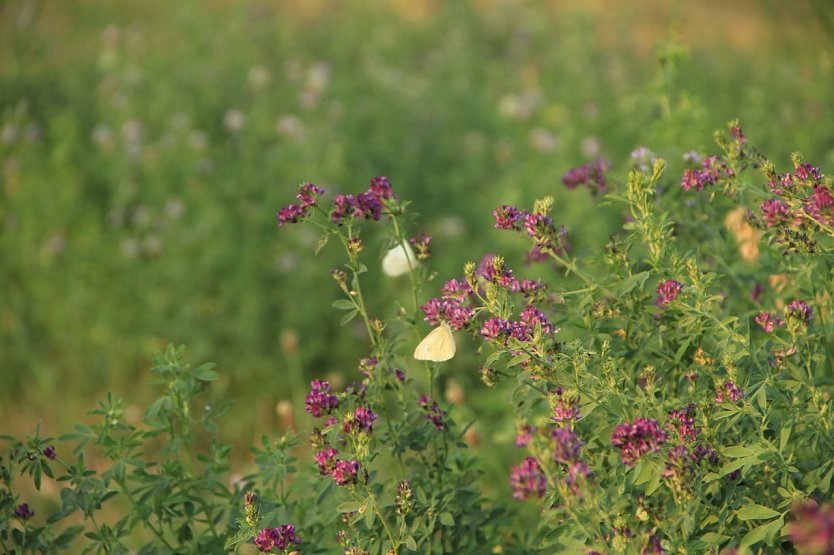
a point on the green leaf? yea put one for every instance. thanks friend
(446, 519)
(348, 317)
(754, 511)
(784, 436)
(629, 283)
(739, 451)
(523, 357)
(765, 533)
(350, 506)
(343, 304)
(410, 544)
(205, 373)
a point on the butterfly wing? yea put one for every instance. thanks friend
(399, 261)
(437, 346)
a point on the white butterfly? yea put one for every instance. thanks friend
(396, 261)
(437, 346)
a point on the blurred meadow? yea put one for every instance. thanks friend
(146, 146)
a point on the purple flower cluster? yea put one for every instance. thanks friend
(450, 311)
(565, 409)
(367, 205)
(422, 246)
(774, 212)
(539, 227)
(345, 472)
(799, 311)
(320, 400)
(527, 480)
(711, 171)
(489, 270)
(525, 435)
(23, 512)
(591, 175)
(326, 460)
(728, 390)
(682, 423)
(642, 158)
(768, 322)
(49, 452)
(812, 530)
(532, 318)
(456, 290)
(636, 439)
(307, 196)
(434, 413)
(567, 446)
(668, 291)
(361, 419)
(281, 538)
(679, 470)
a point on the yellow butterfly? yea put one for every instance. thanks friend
(437, 346)
(399, 261)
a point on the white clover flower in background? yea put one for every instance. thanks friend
(399, 261)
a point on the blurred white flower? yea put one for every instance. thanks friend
(234, 120)
(102, 137)
(590, 147)
(9, 134)
(542, 140)
(290, 125)
(257, 78)
(399, 261)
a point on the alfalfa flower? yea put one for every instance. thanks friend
(527, 480)
(728, 391)
(345, 472)
(636, 439)
(320, 400)
(668, 291)
(422, 245)
(812, 530)
(281, 537)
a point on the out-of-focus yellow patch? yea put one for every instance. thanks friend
(746, 235)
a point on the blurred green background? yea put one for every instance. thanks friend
(145, 148)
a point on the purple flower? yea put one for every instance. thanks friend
(527, 480)
(320, 399)
(591, 175)
(399, 374)
(422, 245)
(705, 452)
(291, 214)
(380, 187)
(495, 329)
(711, 170)
(729, 390)
(343, 208)
(531, 317)
(326, 460)
(668, 291)
(567, 445)
(774, 212)
(434, 413)
(642, 158)
(281, 538)
(507, 217)
(565, 409)
(768, 321)
(23, 512)
(578, 472)
(756, 294)
(456, 290)
(812, 530)
(361, 419)
(681, 422)
(636, 439)
(799, 311)
(678, 469)
(49, 452)
(345, 472)
(525, 435)
(448, 310)
(368, 206)
(308, 194)
(807, 172)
